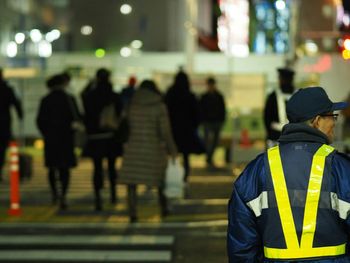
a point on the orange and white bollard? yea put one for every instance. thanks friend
(15, 209)
(245, 140)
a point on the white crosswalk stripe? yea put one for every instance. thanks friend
(86, 248)
(84, 256)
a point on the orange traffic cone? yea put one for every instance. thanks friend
(15, 209)
(244, 140)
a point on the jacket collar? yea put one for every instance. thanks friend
(300, 132)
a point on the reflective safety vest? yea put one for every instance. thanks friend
(305, 249)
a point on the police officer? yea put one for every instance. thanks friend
(275, 108)
(292, 203)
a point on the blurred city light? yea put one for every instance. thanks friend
(45, 49)
(233, 27)
(39, 144)
(19, 38)
(86, 30)
(11, 49)
(280, 5)
(311, 48)
(346, 54)
(53, 35)
(346, 20)
(137, 44)
(125, 52)
(125, 9)
(347, 44)
(344, 46)
(35, 35)
(100, 53)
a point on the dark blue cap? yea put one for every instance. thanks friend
(310, 102)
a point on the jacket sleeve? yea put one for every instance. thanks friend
(18, 105)
(243, 238)
(42, 118)
(223, 108)
(340, 170)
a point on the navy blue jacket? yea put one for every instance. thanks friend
(252, 227)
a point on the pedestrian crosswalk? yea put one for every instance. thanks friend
(86, 248)
(43, 233)
(200, 191)
(83, 256)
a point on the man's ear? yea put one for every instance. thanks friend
(316, 122)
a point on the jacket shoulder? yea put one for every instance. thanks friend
(342, 157)
(340, 170)
(251, 181)
(341, 160)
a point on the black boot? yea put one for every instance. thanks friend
(53, 185)
(98, 201)
(63, 203)
(132, 202)
(163, 202)
(113, 193)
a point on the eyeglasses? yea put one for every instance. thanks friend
(335, 116)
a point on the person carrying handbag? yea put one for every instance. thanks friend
(102, 107)
(149, 145)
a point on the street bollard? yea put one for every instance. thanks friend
(15, 209)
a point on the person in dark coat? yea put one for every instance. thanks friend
(55, 121)
(275, 116)
(150, 142)
(101, 140)
(128, 91)
(8, 100)
(213, 113)
(183, 110)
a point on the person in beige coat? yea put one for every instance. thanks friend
(149, 145)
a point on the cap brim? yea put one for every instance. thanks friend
(339, 106)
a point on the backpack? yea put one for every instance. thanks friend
(109, 119)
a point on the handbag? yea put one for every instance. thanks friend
(79, 136)
(78, 127)
(174, 179)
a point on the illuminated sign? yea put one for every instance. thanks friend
(233, 27)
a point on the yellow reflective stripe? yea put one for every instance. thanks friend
(313, 196)
(310, 215)
(282, 198)
(288, 253)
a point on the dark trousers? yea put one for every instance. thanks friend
(132, 201)
(98, 178)
(211, 138)
(63, 176)
(3, 146)
(186, 163)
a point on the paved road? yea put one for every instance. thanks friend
(194, 232)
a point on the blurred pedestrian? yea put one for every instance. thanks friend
(213, 113)
(346, 124)
(292, 203)
(55, 121)
(91, 85)
(275, 116)
(183, 109)
(102, 143)
(150, 142)
(128, 91)
(7, 100)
